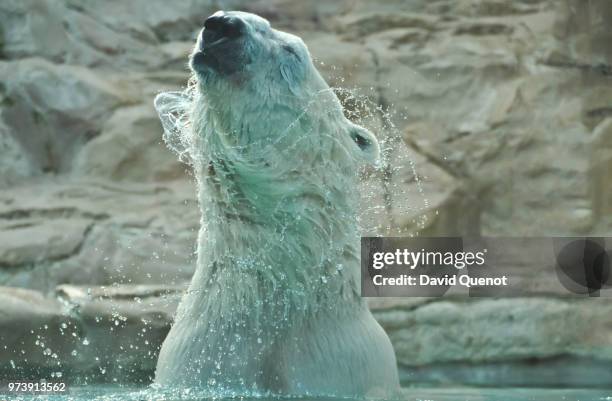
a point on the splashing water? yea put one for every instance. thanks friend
(385, 189)
(386, 192)
(279, 215)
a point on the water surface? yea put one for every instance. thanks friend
(117, 393)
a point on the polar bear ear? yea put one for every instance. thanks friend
(365, 141)
(172, 108)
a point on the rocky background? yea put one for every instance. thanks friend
(503, 110)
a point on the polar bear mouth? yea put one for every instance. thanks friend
(219, 45)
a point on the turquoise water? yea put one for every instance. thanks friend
(116, 393)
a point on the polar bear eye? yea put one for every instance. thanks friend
(365, 141)
(291, 50)
(361, 140)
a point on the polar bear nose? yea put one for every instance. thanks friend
(221, 25)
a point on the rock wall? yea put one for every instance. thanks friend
(496, 118)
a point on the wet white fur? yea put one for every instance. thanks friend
(274, 305)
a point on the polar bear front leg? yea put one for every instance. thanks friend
(346, 355)
(225, 357)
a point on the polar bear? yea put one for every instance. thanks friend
(274, 306)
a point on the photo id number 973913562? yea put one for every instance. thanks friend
(36, 387)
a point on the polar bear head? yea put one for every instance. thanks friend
(259, 81)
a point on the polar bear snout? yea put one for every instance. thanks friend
(219, 46)
(221, 26)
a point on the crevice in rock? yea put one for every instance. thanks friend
(601, 113)
(468, 302)
(406, 308)
(119, 188)
(600, 68)
(74, 294)
(62, 212)
(436, 161)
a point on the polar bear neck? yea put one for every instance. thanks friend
(278, 212)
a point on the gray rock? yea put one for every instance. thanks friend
(444, 331)
(494, 109)
(29, 242)
(116, 34)
(600, 167)
(572, 372)
(51, 111)
(74, 232)
(119, 152)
